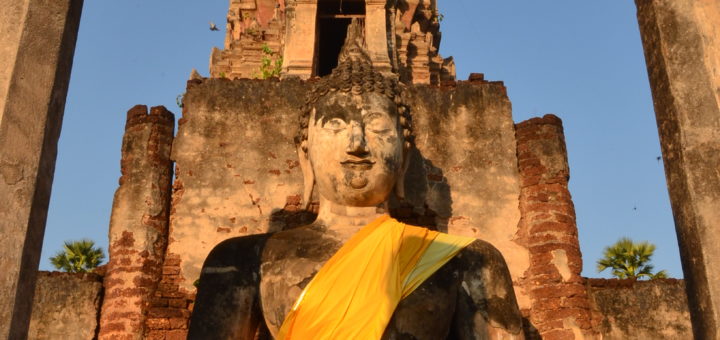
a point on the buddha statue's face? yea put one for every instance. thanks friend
(355, 148)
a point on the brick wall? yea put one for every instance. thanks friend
(630, 309)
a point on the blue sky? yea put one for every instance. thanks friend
(581, 60)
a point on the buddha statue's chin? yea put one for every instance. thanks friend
(357, 188)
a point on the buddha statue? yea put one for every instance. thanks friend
(355, 272)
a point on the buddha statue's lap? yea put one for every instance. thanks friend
(353, 144)
(261, 277)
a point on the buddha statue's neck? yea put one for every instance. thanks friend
(344, 221)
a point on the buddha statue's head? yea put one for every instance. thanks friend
(355, 132)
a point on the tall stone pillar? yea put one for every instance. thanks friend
(299, 55)
(681, 39)
(560, 305)
(36, 52)
(139, 223)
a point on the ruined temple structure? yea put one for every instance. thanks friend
(403, 37)
(473, 172)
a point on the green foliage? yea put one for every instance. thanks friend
(268, 67)
(179, 100)
(78, 256)
(630, 260)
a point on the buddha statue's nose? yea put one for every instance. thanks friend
(357, 146)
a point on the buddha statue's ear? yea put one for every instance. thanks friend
(308, 174)
(400, 184)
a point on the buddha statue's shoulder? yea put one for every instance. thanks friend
(485, 276)
(309, 241)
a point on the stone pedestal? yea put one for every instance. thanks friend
(38, 43)
(681, 39)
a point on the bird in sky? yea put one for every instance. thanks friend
(213, 27)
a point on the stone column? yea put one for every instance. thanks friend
(299, 55)
(681, 39)
(376, 32)
(139, 223)
(36, 53)
(560, 305)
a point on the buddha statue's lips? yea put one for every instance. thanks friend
(358, 164)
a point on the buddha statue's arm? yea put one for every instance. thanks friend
(228, 304)
(487, 308)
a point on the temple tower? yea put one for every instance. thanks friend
(403, 36)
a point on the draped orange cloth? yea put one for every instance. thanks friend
(355, 293)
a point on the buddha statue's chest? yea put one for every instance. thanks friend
(425, 314)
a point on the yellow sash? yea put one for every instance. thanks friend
(355, 293)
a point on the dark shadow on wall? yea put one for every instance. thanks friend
(428, 199)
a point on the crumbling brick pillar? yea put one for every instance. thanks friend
(37, 44)
(139, 223)
(560, 305)
(681, 39)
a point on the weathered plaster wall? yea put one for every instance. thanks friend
(465, 174)
(237, 171)
(66, 306)
(629, 310)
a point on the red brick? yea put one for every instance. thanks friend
(565, 218)
(178, 323)
(537, 259)
(552, 227)
(157, 323)
(173, 294)
(571, 250)
(579, 301)
(158, 302)
(540, 217)
(549, 325)
(155, 335)
(547, 278)
(546, 304)
(558, 334)
(167, 287)
(171, 270)
(172, 260)
(177, 303)
(557, 291)
(168, 313)
(176, 335)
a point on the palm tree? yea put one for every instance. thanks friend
(630, 260)
(78, 256)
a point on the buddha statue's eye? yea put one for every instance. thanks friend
(379, 124)
(335, 124)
